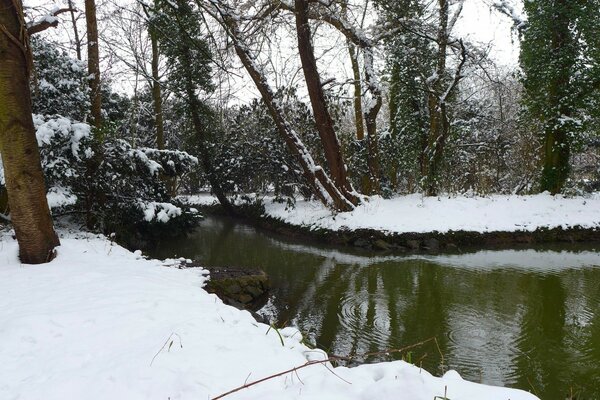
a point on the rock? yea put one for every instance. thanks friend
(413, 244)
(255, 291)
(381, 244)
(233, 288)
(361, 242)
(245, 298)
(239, 287)
(432, 244)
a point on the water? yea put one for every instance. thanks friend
(528, 319)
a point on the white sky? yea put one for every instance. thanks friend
(478, 24)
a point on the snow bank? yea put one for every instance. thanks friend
(415, 213)
(100, 322)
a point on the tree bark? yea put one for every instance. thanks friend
(557, 147)
(23, 174)
(93, 64)
(157, 92)
(433, 145)
(325, 126)
(357, 97)
(371, 113)
(4, 209)
(75, 30)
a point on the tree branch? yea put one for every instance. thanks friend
(47, 21)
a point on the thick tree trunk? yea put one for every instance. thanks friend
(18, 145)
(556, 160)
(325, 126)
(93, 63)
(557, 147)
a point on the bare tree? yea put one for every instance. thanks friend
(329, 140)
(93, 62)
(322, 186)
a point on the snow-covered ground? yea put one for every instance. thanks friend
(415, 213)
(100, 322)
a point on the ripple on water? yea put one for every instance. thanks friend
(484, 345)
(365, 320)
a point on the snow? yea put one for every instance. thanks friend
(59, 197)
(419, 214)
(161, 212)
(100, 322)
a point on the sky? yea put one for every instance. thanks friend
(478, 24)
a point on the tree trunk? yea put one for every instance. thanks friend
(193, 106)
(557, 147)
(4, 209)
(75, 30)
(371, 113)
(18, 145)
(325, 126)
(320, 183)
(157, 92)
(93, 64)
(433, 147)
(357, 97)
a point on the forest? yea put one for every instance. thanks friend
(389, 125)
(135, 103)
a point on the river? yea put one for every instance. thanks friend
(524, 318)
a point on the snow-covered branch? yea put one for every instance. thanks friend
(47, 21)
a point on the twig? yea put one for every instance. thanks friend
(163, 346)
(325, 361)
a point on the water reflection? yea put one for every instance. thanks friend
(521, 318)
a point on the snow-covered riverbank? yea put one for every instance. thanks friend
(418, 214)
(100, 322)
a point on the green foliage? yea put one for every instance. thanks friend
(249, 141)
(125, 195)
(560, 58)
(183, 43)
(60, 86)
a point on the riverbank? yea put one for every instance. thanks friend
(417, 223)
(100, 322)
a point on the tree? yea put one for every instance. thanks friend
(60, 87)
(325, 127)
(29, 210)
(409, 60)
(560, 57)
(188, 60)
(316, 178)
(93, 63)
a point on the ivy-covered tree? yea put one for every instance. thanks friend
(560, 58)
(188, 59)
(409, 60)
